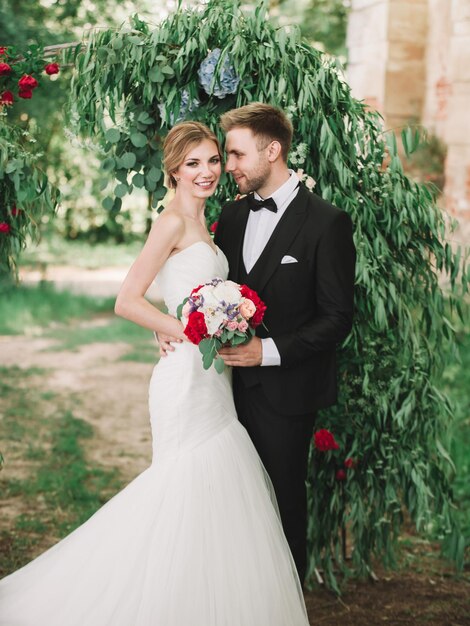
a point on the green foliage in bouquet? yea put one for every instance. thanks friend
(209, 348)
(131, 85)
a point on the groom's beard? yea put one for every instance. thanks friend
(256, 179)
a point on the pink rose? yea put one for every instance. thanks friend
(4, 227)
(232, 325)
(243, 326)
(247, 308)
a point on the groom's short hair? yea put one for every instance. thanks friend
(266, 122)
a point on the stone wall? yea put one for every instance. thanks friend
(457, 123)
(411, 61)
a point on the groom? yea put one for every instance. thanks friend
(297, 252)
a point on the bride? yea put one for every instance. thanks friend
(196, 539)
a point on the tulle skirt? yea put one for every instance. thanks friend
(195, 540)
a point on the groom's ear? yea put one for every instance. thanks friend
(274, 151)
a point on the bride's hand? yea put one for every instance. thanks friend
(165, 341)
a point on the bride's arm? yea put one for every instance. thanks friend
(164, 236)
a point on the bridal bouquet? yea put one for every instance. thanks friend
(219, 313)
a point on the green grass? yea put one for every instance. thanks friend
(55, 250)
(62, 488)
(24, 310)
(35, 309)
(115, 329)
(142, 347)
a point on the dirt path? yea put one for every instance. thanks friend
(104, 281)
(110, 394)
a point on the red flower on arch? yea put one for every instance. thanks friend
(324, 440)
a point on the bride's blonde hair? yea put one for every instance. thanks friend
(179, 142)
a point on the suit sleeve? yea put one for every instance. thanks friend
(334, 291)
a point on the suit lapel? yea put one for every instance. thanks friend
(283, 235)
(236, 239)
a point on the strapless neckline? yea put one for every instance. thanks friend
(215, 251)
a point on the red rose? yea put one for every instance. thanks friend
(350, 463)
(3, 50)
(213, 227)
(259, 304)
(324, 440)
(258, 315)
(5, 69)
(4, 227)
(15, 212)
(6, 98)
(27, 83)
(196, 289)
(249, 293)
(196, 328)
(341, 474)
(52, 68)
(27, 94)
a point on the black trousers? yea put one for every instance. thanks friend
(283, 442)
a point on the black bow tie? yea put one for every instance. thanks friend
(256, 205)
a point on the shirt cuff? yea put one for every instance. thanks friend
(271, 354)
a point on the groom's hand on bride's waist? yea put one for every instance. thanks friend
(247, 355)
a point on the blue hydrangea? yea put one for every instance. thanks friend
(225, 83)
(187, 106)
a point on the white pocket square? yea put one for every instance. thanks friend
(288, 259)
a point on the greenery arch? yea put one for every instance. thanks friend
(131, 85)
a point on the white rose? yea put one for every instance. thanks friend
(213, 320)
(227, 292)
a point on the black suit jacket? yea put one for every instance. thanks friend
(309, 303)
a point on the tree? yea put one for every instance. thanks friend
(132, 85)
(27, 28)
(321, 22)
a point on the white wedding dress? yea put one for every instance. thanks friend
(195, 540)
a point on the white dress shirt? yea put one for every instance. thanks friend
(259, 228)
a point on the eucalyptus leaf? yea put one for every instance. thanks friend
(108, 203)
(121, 190)
(139, 140)
(219, 365)
(138, 180)
(128, 160)
(112, 135)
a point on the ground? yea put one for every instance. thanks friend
(110, 394)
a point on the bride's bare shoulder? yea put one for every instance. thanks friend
(168, 224)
